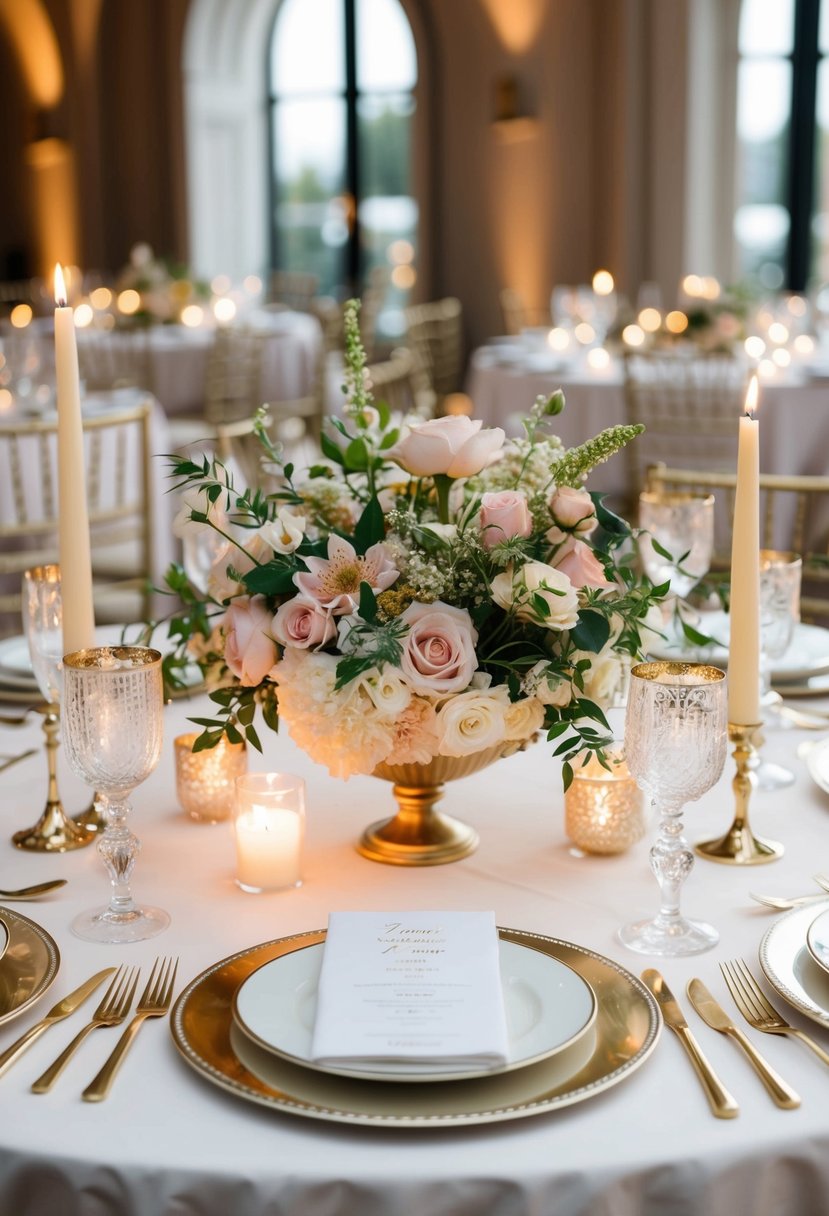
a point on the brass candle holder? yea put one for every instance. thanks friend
(739, 846)
(54, 832)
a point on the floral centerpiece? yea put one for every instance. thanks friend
(426, 590)
(165, 289)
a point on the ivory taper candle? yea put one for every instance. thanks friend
(73, 517)
(744, 647)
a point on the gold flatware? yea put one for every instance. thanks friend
(111, 1012)
(780, 904)
(10, 760)
(39, 888)
(822, 880)
(801, 720)
(154, 1003)
(60, 1011)
(16, 719)
(713, 1014)
(723, 1105)
(757, 1010)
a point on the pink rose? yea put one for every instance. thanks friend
(573, 511)
(503, 516)
(455, 446)
(250, 651)
(301, 622)
(439, 649)
(578, 561)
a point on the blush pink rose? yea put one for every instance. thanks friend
(250, 651)
(302, 623)
(504, 515)
(455, 446)
(573, 512)
(578, 561)
(439, 649)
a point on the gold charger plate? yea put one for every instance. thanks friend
(624, 1035)
(28, 966)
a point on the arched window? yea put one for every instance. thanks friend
(781, 224)
(342, 81)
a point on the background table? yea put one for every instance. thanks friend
(167, 1143)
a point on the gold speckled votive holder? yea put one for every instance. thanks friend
(604, 810)
(205, 780)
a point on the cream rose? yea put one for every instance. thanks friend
(471, 722)
(250, 651)
(301, 622)
(578, 561)
(604, 678)
(503, 515)
(573, 511)
(387, 690)
(522, 718)
(520, 589)
(455, 446)
(439, 649)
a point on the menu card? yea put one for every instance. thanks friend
(419, 990)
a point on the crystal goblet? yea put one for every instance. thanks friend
(54, 831)
(675, 742)
(112, 709)
(677, 540)
(780, 574)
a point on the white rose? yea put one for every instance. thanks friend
(603, 679)
(523, 718)
(471, 722)
(519, 589)
(284, 533)
(388, 691)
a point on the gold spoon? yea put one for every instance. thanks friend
(39, 888)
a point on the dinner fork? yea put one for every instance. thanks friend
(780, 904)
(757, 1010)
(154, 1003)
(111, 1012)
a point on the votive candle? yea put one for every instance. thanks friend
(205, 780)
(604, 809)
(269, 823)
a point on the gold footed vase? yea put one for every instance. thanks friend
(420, 835)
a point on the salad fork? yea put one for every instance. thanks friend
(758, 1010)
(154, 1003)
(111, 1012)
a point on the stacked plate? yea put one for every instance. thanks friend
(794, 955)
(578, 1023)
(29, 961)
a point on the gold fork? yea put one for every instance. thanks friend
(154, 1003)
(111, 1012)
(757, 1010)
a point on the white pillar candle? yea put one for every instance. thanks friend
(744, 648)
(73, 518)
(268, 826)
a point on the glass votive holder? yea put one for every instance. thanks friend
(604, 810)
(205, 780)
(269, 826)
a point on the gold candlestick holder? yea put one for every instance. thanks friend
(739, 846)
(54, 832)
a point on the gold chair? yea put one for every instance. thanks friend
(794, 515)
(294, 289)
(118, 482)
(399, 382)
(517, 316)
(435, 336)
(689, 406)
(109, 360)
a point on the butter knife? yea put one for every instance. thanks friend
(60, 1011)
(715, 1016)
(720, 1100)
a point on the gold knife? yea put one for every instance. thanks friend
(715, 1016)
(719, 1099)
(60, 1011)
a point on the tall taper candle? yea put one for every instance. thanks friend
(73, 517)
(744, 649)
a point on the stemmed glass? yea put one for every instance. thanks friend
(677, 540)
(780, 573)
(675, 742)
(113, 702)
(54, 832)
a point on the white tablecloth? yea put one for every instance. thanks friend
(794, 430)
(167, 1142)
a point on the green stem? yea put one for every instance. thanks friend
(443, 484)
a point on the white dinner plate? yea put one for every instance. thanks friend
(817, 939)
(789, 967)
(817, 763)
(548, 1008)
(808, 654)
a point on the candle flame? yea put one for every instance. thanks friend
(60, 287)
(752, 393)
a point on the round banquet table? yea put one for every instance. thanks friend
(167, 1142)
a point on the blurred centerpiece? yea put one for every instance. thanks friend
(423, 601)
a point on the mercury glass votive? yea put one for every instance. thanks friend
(604, 810)
(206, 780)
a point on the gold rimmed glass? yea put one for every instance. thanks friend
(113, 708)
(675, 743)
